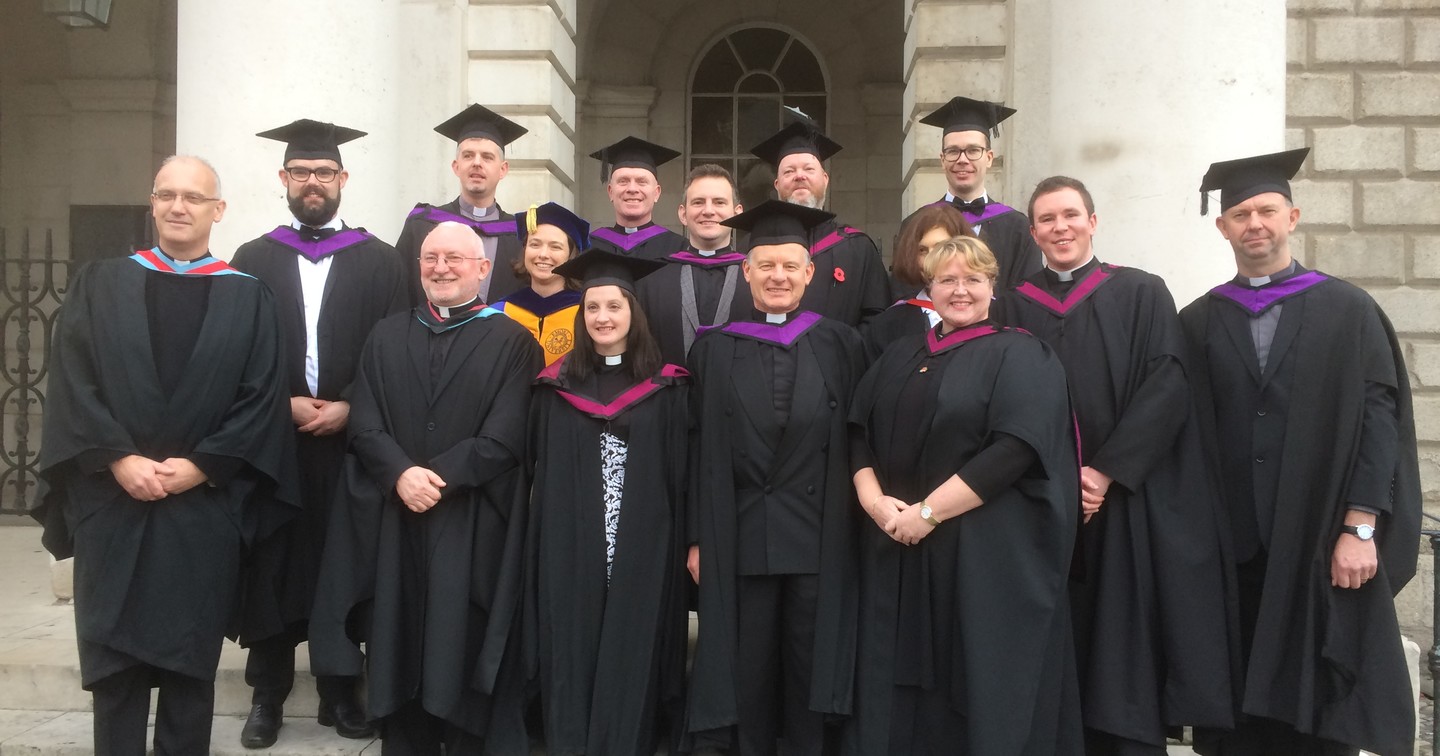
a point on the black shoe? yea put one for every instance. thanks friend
(347, 719)
(262, 727)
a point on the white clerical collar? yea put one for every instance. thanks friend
(706, 252)
(444, 312)
(777, 318)
(334, 223)
(474, 212)
(1262, 280)
(630, 229)
(983, 195)
(612, 360)
(1069, 275)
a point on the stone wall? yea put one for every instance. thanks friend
(1364, 95)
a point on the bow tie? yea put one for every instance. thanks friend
(974, 207)
(316, 234)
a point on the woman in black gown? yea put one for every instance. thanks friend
(965, 459)
(923, 231)
(606, 539)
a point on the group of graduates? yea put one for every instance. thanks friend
(1000, 499)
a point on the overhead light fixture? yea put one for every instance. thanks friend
(79, 14)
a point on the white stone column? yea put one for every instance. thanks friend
(1136, 100)
(611, 114)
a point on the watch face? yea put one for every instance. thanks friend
(925, 512)
(1365, 532)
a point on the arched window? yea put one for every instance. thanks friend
(736, 93)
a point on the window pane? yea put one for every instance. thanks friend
(711, 125)
(810, 106)
(759, 48)
(718, 72)
(756, 180)
(758, 82)
(800, 72)
(759, 118)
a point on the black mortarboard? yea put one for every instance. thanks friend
(965, 114)
(312, 140)
(802, 134)
(575, 227)
(600, 267)
(480, 122)
(777, 222)
(632, 152)
(1239, 180)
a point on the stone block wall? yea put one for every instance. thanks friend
(1364, 94)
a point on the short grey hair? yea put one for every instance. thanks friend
(193, 159)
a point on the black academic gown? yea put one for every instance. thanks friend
(733, 409)
(1327, 661)
(609, 655)
(503, 279)
(650, 241)
(660, 295)
(435, 594)
(365, 283)
(156, 582)
(904, 318)
(973, 620)
(1148, 588)
(851, 284)
(1006, 231)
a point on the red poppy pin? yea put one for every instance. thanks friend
(840, 275)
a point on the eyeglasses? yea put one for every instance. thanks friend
(189, 198)
(972, 153)
(951, 282)
(323, 175)
(431, 261)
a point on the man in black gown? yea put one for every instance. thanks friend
(774, 512)
(167, 451)
(701, 284)
(333, 283)
(630, 169)
(426, 555)
(852, 285)
(481, 136)
(966, 156)
(1147, 587)
(1304, 402)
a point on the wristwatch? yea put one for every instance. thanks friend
(1363, 532)
(927, 514)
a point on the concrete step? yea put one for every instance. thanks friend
(68, 733)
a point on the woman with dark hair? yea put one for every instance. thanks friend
(964, 457)
(922, 232)
(549, 236)
(606, 542)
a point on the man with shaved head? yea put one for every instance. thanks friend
(167, 450)
(424, 559)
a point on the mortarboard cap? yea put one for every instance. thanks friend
(600, 267)
(575, 227)
(965, 114)
(1239, 180)
(312, 140)
(632, 152)
(480, 122)
(802, 134)
(777, 222)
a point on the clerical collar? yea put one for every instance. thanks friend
(476, 213)
(178, 261)
(334, 224)
(776, 318)
(445, 312)
(634, 229)
(983, 195)
(1256, 283)
(612, 360)
(706, 252)
(1066, 276)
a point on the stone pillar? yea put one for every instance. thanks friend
(611, 114)
(1135, 104)
(394, 70)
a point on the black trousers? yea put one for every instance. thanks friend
(775, 653)
(270, 670)
(412, 731)
(182, 717)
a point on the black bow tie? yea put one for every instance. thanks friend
(974, 207)
(316, 234)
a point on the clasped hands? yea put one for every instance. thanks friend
(145, 479)
(899, 520)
